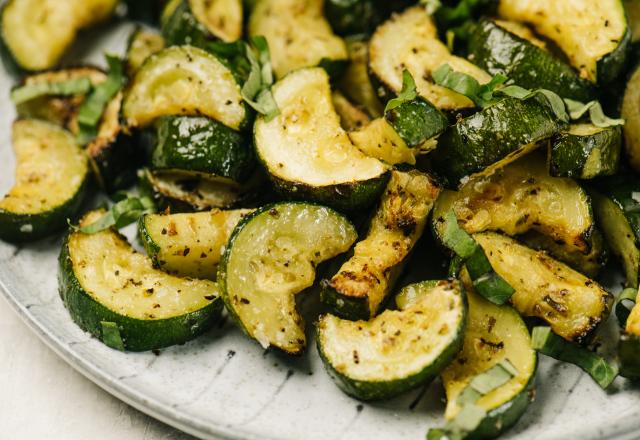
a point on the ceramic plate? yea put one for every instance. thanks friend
(224, 385)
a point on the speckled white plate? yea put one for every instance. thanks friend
(224, 385)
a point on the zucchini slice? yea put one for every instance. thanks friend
(199, 144)
(189, 244)
(618, 214)
(585, 152)
(410, 41)
(351, 117)
(399, 349)
(142, 44)
(379, 140)
(629, 345)
(271, 257)
(493, 334)
(184, 80)
(519, 198)
(355, 82)
(494, 137)
(571, 303)
(631, 113)
(110, 288)
(359, 289)
(298, 35)
(594, 36)
(307, 153)
(495, 47)
(195, 22)
(51, 181)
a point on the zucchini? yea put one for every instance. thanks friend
(122, 300)
(270, 258)
(494, 137)
(52, 177)
(379, 140)
(410, 41)
(194, 143)
(586, 151)
(298, 35)
(633, 17)
(145, 10)
(351, 117)
(493, 334)
(360, 287)
(312, 158)
(499, 50)
(399, 349)
(630, 112)
(142, 44)
(112, 154)
(195, 22)
(629, 345)
(184, 80)
(188, 245)
(37, 33)
(572, 304)
(595, 37)
(618, 214)
(355, 82)
(519, 198)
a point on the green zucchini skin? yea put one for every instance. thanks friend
(498, 51)
(203, 145)
(613, 65)
(628, 354)
(500, 132)
(145, 10)
(182, 27)
(586, 156)
(114, 165)
(136, 334)
(346, 306)
(417, 121)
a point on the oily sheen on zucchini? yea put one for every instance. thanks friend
(114, 293)
(307, 153)
(189, 244)
(493, 334)
(195, 22)
(399, 349)
(51, 180)
(270, 258)
(572, 304)
(360, 287)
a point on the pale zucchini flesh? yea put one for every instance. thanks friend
(630, 111)
(142, 44)
(355, 82)
(351, 116)
(222, 18)
(378, 139)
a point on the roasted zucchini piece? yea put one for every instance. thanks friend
(572, 304)
(631, 114)
(271, 257)
(495, 47)
(360, 287)
(519, 198)
(199, 144)
(379, 140)
(188, 244)
(351, 117)
(617, 211)
(307, 153)
(629, 345)
(114, 293)
(52, 177)
(585, 152)
(195, 22)
(36, 33)
(184, 80)
(356, 84)
(298, 35)
(493, 334)
(399, 349)
(142, 44)
(494, 137)
(410, 41)
(595, 37)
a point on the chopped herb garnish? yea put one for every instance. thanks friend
(481, 95)
(121, 214)
(408, 92)
(578, 109)
(77, 86)
(111, 335)
(256, 91)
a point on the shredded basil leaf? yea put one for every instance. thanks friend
(552, 345)
(578, 109)
(624, 304)
(256, 90)
(481, 95)
(408, 92)
(457, 239)
(77, 86)
(121, 214)
(111, 335)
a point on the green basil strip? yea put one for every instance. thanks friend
(408, 92)
(552, 345)
(111, 335)
(78, 86)
(256, 90)
(121, 214)
(624, 304)
(456, 238)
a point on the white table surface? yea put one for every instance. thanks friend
(43, 397)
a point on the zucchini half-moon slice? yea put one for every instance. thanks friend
(197, 21)
(271, 257)
(114, 293)
(307, 153)
(399, 349)
(52, 176)
(594, 36)
(184, 80)
(630, 111)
